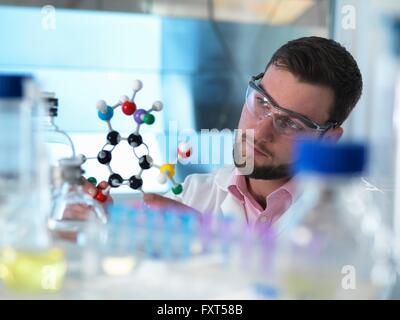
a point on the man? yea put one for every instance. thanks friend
(309, 87)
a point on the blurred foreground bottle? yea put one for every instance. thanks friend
(58, 143)
(395, 37)
(28, 262)
(73, 209)
(336, 246)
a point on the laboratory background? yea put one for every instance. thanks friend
(85, 83)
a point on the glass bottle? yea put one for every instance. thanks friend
(28, 261)
(334, 245)
(395, 34)
(73, 209)
(58, 143)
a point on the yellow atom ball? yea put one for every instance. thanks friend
(168, 168)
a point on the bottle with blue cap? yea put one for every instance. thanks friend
(333, 244)
(28, 261)
(394, 32)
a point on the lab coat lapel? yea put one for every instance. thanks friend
(231, 207)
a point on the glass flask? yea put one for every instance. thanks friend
(28, 261)
(73, 209)
(58, 143)
(334, 245)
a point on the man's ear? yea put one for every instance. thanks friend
(333, 135)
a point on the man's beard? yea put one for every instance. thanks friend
(264, 172)
(270, 172)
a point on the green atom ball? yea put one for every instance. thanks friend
(177, 189)
(92, 180)
(149, 118)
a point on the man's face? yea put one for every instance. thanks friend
(272, 151)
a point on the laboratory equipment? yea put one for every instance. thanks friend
(169, 236)
(150, 254)
(395, 34)
(58, 143)
(73, 209)
(28, 260)
(335, 245)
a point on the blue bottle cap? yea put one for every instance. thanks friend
(327, 158)
(12, 86)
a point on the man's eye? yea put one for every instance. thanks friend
(262, 101)
(289, 123)
(294, 125)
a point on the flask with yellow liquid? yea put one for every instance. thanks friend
(28, 262)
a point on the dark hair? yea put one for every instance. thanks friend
(323, 61)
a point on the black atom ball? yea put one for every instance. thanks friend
(113, 138)
(145, 162)
(135, 182)
(115, 180)
(104, 157)
(135, 140)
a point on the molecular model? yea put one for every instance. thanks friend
(140, 116)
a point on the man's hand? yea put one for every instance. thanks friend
(156, 201)
(81, 212)
(92, 190)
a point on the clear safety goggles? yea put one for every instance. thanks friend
(287, 122)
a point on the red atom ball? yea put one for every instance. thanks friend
(128, 108)
(101, 197)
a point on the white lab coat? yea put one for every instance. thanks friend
(208, 193)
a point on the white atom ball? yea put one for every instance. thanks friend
(157, 106)
(162, 178)
(137, 85)
(101, 106)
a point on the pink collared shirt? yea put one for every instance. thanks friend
(277, 202)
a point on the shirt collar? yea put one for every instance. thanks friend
(238, 188)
